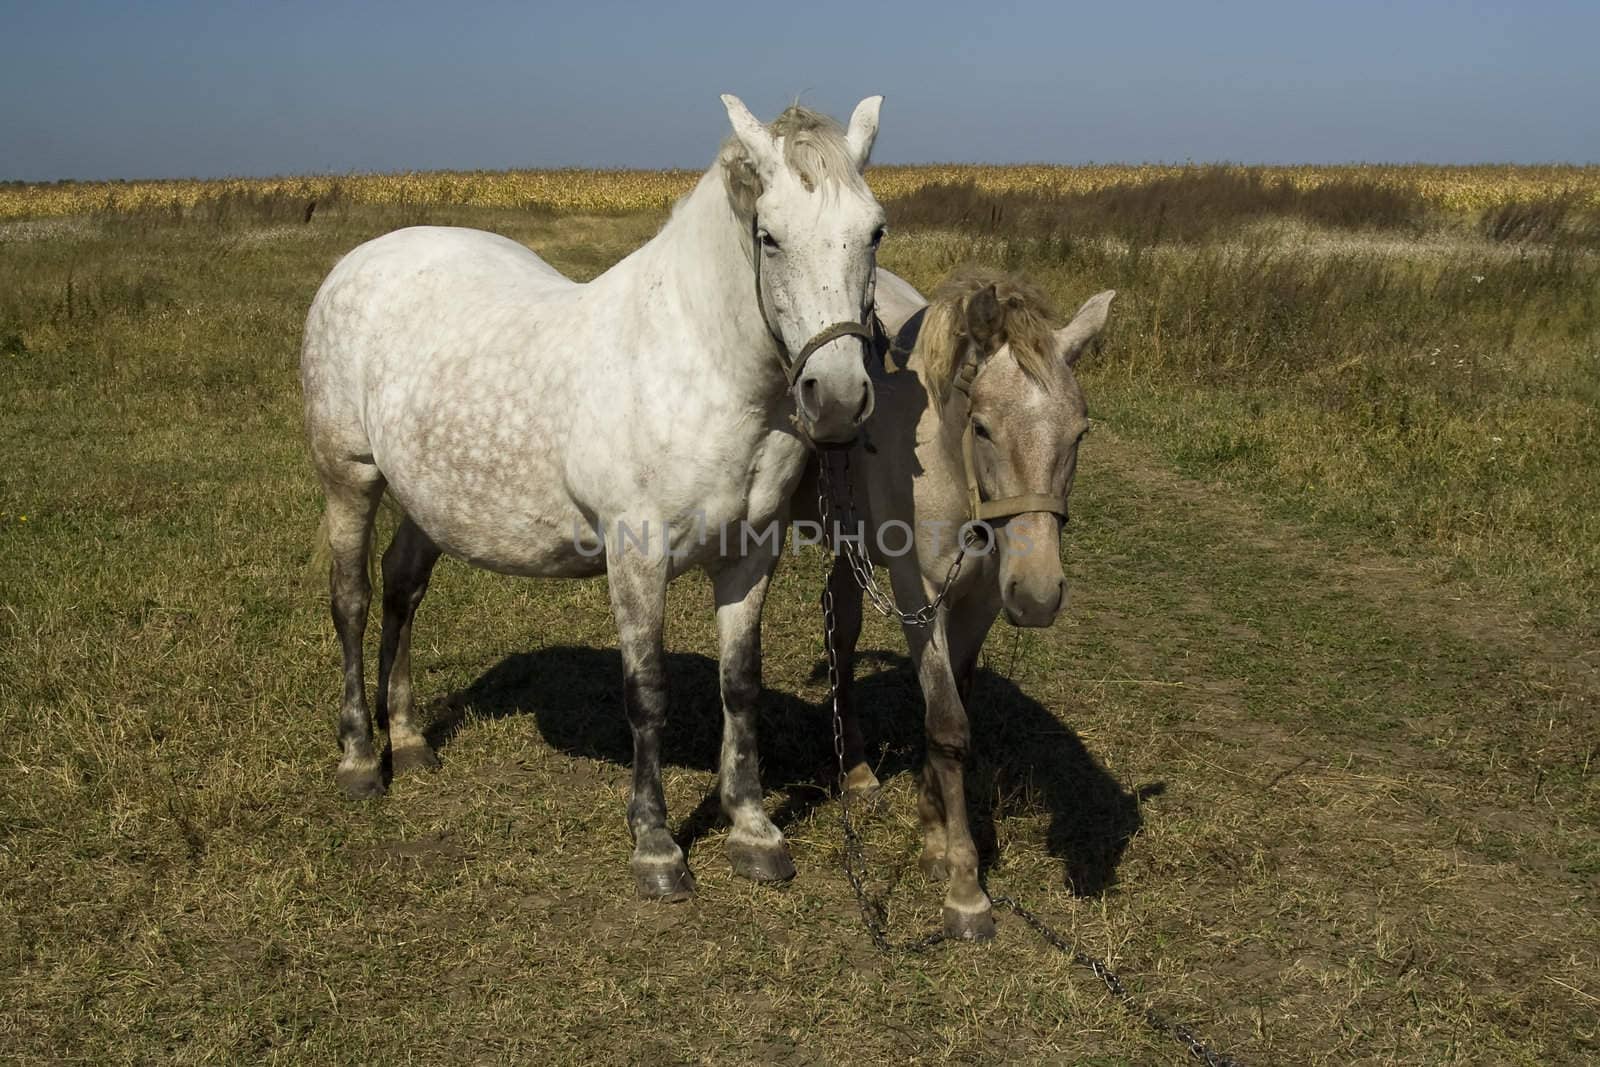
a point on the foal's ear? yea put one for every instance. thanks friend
(759, 144)
(985, 320)
(1076, 336)
(863, 130)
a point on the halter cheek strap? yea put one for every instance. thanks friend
(793, 368)
(979, 509)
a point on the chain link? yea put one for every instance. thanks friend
(874, 914)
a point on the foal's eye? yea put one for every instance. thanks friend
(769, 242)
(980, 431)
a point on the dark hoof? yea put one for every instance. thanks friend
(761, 863)
(664, 881)
(969, 925)
(934, 868)
(361, 783)
(414, 757)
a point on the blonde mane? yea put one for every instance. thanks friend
(814, 147)
(1026, 325)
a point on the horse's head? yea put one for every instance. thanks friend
(1025, 415)
(814, 231)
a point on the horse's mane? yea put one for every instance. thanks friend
(1025, 324)
(814, 147)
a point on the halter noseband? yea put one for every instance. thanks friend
(793, 368)
(979, 509)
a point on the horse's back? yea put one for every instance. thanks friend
(408, 297)
(406, 270)
(896, 300)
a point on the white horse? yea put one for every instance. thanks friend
(535, 426)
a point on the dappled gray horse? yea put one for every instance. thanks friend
(534, 426)
(981, 424)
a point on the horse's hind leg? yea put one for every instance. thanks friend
(755, 846)
(859, 780)
(352, 501)
(407, 564)
(638, 583)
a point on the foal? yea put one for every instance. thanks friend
(980, 428)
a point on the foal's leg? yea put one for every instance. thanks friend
(967, 625)
(353, 494)
(755, 846)
(949, 849)
(407, 564)
(859, 780)
(638, 581)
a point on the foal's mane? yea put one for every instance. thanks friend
(1025, 324)
(814, 147)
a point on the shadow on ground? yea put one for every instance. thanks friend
(1025, 763)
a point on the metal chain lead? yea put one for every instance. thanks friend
(873, 912)
(859, 559)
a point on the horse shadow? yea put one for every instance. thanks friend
(1025, 760)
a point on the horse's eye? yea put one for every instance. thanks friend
(877, 236)
(769, 242)
(980, 431)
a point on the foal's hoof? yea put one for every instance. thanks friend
(761, 863)
(965, 925)
(417, 756)
(670, 882)
(361, 782)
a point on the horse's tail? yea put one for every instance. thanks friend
(322, 547)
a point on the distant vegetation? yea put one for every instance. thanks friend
(1469, 189)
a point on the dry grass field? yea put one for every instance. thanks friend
(1311, 758)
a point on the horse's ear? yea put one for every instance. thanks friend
(1073, 339)
(985, 319)
(863, 130)
(759, 144)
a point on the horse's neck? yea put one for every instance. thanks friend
(930, 426)
(699, 265)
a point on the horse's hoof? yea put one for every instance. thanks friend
(761, 863)
(861, 782)
(964, 925)
(666, 881)
(934, 868)
(361, 782)
(418, 756)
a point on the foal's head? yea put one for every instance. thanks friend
(815, 227)
(1026, 412)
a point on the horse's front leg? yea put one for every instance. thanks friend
(755, 846)
(638, 582)
(859, 780)
(948, 849)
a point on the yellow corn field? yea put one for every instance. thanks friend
(1455, 188)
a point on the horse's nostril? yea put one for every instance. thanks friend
(866, 401)
(808, 397)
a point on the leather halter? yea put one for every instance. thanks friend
(979, 509)
(793, 368)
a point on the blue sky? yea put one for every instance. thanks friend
(93, 90)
